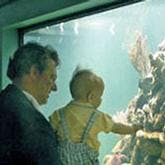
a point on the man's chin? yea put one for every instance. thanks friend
(43, 102)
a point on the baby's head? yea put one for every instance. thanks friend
(87, 87)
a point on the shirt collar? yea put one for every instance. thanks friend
(80, 104)
(32, 100)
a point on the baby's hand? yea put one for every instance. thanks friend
(137, 127)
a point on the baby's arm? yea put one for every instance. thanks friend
(125, 129)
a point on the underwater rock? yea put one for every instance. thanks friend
(147, 108)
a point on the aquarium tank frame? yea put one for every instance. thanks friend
(86, 12)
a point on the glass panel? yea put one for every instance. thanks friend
(101, 42)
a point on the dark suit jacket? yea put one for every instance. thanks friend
(26, 137)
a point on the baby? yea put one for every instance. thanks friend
(79, 122)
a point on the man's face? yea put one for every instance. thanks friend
(46, 82)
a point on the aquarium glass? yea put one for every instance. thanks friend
(101, 42)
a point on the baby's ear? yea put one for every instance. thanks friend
(90, 96)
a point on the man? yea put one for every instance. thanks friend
(25, 135)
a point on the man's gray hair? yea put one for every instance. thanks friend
(28, 55)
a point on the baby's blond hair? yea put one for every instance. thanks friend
(83, 82)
